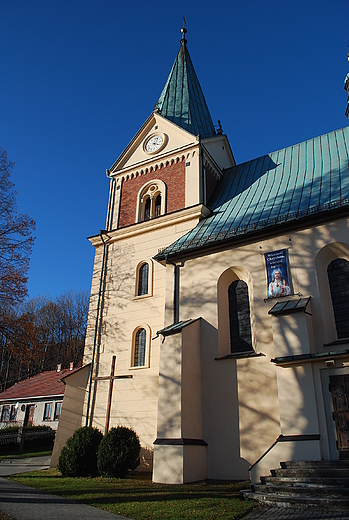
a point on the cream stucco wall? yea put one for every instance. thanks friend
(72, 410)
(135, 400)
(271, 400)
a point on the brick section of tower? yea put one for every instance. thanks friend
(173, 175)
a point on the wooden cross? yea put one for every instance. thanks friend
(111, 384)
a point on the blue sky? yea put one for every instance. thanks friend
(79, 78)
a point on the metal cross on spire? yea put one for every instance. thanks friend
(183, 31)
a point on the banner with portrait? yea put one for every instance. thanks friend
(277, 274)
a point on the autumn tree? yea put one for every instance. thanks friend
(16, 240)
(48, 332)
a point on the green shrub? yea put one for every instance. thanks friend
(78, 457)
(118, 452)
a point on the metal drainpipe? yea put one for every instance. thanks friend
(96, 326)
(175, 290)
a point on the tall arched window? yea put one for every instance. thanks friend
(143, 276)
(151, 201)
(239, 317)
(338, 278)
(139, 348)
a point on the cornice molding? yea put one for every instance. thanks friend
(156, 163)
(194, 212)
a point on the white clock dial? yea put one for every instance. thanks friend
(154, 143)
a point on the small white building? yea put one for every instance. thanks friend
(36, 401)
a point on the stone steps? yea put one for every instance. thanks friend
(305, 484)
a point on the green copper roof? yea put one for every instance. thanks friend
(182, 100)
(309, 180)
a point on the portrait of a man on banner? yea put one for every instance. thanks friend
(277, 274)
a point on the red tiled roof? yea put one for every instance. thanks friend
(44, 384)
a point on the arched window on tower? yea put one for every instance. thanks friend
(143, 275)
(239, 317)
(139, 348)
(158, 205)
(147, 208)
(338, 278)
(151, 201)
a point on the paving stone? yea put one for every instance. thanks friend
(26, 503)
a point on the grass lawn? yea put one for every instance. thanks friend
(138, 498)
(24, 454)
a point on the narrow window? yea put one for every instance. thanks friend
(47, 412)
(239, 317)
(143, 275)
(58, 409)
(338, 278)
(139, 349)
(147, 209)
(158, 206)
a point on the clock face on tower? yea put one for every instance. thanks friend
(154, 143)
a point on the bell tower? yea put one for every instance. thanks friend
(177, 157)
(160, 187)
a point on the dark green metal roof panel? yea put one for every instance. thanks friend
(182, 100)
(290, 306)
(175, 328)
(309, 178)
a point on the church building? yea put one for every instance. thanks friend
(218, 326)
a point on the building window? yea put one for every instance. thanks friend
(58, 409)
(147, 209)
(5, 414)
(338, 278)
(239, 317)
(47, 412)
(13, 413)
(151, 201)
(144, 279)
(158, 206)
(139, 348)
(143, 276)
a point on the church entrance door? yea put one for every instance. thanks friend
(339, 386)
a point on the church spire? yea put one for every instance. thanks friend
(182, 100)
(346, 87)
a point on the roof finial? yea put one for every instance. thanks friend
(183, 31)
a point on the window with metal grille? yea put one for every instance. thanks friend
(47, 412)
(139, 348)
(239, 317)
(338, 278)
(143, 275)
